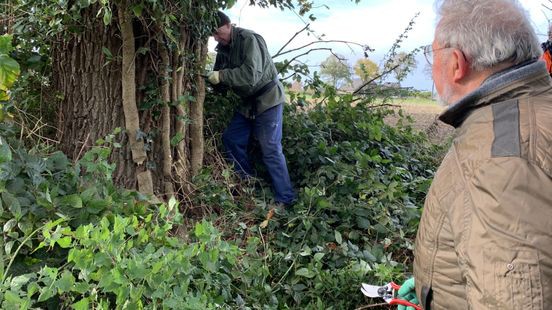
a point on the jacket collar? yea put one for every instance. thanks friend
(500, 86)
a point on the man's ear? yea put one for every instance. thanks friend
(461, 66)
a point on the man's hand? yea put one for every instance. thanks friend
(214, 77)
(407, 292)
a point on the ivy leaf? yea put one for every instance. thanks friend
(107, 52)
(107, 17)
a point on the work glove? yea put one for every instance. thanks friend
(408, 292)
(214, 77)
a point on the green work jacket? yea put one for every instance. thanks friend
(246, 67)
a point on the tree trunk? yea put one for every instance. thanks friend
(103, 92)
(91, 104)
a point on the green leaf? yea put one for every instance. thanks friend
(83, 3)
(19, 281)
(65, 282)
(64, 242)
(9, 225)
(72, 201)
(304, 272)
(109, 55)
(13, 204)
(363, 223)
(137, 10)
(81, 287)
(176, 139)
(12, 298)
(46, 293)
(81, 304)
(6, 44)
(338, 237)
(107, 17)
(9, 71)
(5, 152)
(89, 194)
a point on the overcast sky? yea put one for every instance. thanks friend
(376, 23)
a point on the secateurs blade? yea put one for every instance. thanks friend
(388, 293)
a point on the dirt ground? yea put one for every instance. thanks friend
(425, 117)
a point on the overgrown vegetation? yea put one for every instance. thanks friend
(71, 238)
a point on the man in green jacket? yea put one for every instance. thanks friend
(244, 64)
(485, 236)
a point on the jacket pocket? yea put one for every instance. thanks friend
(515, 280)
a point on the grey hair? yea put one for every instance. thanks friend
(489, 32)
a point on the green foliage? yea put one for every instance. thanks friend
(366, 69)
(71, 239)
(401, 64)
(336, 70)
(361, 187)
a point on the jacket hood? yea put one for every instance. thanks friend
(501, 86)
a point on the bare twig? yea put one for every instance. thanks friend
(317, 42)
(308, 52)
(377, 77)
(289, 41)
(82, 148)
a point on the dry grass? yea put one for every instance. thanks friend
(425, 113)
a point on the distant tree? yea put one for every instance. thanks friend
(403, 63)
(335, 70)
(366, 69)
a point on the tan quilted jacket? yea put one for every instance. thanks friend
(485, 237)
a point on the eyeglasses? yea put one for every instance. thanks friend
(428, 53)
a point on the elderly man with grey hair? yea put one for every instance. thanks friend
(485, 236)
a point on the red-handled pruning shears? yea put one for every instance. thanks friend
(387, 292)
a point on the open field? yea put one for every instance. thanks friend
(425, 113)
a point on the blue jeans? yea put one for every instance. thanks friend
(267, 128)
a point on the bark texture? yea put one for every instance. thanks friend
(99, 91)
